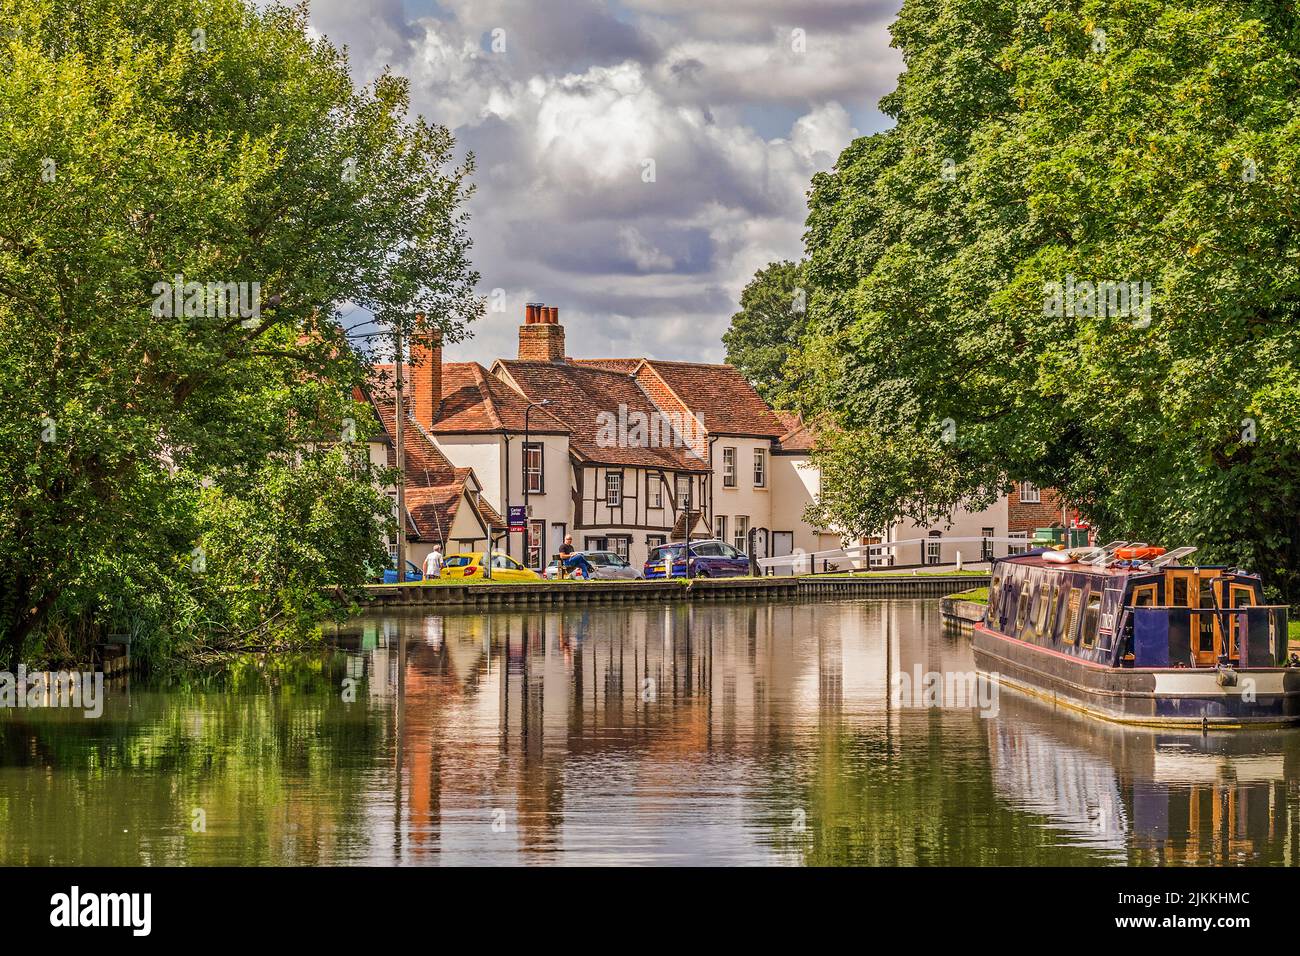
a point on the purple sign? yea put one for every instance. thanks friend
(518, 517)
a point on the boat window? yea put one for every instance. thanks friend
(1242, 596)
(1044, 598)
(1068, 636)
(1180, 592)
(1144, 596)
(1090, 617)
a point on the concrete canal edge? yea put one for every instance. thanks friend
(953, 608)
(567, 594)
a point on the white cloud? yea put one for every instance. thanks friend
(563, 120)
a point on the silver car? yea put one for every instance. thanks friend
(607, 566)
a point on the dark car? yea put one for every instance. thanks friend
(709, 559)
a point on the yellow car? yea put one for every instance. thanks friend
(470, 565)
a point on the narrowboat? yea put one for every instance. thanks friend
(1128, 633)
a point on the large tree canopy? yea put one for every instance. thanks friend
(765, 334)
(155, 465)
(1039, 147)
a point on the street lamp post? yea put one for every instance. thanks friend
(399, 452)
(528, 519)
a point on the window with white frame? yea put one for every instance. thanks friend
(614, 489)
(760, 467)
(620, 545)
(654, 491)
(728, 467)
(742, 532)
(534, 463)
(986, 546)
(720, 527)
(683, 488)
(1018, 536)
(1029, 494)
(934, 548)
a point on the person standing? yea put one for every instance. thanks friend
(433, 563)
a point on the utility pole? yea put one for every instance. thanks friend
(401, 458)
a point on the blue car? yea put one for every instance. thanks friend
(709, 559)
(413, 573)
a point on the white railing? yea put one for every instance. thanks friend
(804, 562)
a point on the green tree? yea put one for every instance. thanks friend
(153, 142)
(1040, 146)
(766, 332)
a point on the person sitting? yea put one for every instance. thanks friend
(571, 559)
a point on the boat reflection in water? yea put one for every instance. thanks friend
(1148, 797)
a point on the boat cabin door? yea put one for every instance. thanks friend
(1233, 595)
(1185, 588)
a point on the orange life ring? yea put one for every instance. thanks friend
(1138, 554)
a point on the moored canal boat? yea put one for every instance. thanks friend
(1128, 633)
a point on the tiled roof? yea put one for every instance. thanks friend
(799, 435)
(579, 392)
(470, 394)
(721, 396)
(473, 401)
(628, 365)
(435, 487)
(490, 516)
(433, 510)
(699, 529)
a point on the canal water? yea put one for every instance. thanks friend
(682, 734)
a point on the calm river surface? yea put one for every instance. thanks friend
(683, 734)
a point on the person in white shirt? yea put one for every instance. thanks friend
(433, 563)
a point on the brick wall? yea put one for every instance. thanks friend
(541, 342)
(424, 385)
(1026, 516)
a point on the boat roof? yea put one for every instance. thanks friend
(1035, 559)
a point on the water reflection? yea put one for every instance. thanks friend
(1146, 797)
(681, 734)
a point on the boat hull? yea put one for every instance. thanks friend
(1162, 697)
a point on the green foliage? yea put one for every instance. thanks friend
(765, 334)
(146, 139)
(1038, 141)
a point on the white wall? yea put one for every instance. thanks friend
(491, 455)
(964, 524)
(796, 483)
(483, 453)
(744, 499)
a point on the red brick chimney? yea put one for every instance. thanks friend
(541, 337)
(425, 386)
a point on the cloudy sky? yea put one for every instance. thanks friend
(565, 103)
